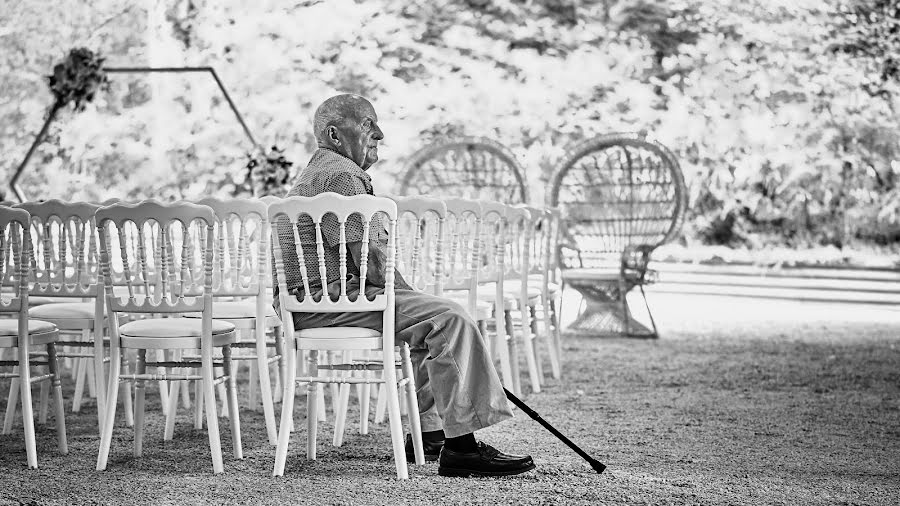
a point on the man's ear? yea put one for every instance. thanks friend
(331, 133)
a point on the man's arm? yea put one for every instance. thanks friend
(376, 266)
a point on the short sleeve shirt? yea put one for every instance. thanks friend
(327, 171)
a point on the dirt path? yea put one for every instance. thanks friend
(741, 402)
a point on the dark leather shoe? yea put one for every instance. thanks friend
(432, 449)
(487, 461)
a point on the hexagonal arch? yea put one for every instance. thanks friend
(54, 110)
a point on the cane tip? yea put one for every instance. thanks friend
(598, 466)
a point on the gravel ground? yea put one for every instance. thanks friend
(740, 402)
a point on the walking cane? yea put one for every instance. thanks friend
(596, 464)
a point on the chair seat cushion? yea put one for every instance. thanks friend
(337, 332)
(61, 310)
(510, 303)
(597, 274)
(10, 327)
(171, 327)
(537, 281)
(38, 300)
(235, 309)
(483, 309)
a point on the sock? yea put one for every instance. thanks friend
(462, 444)
(433, 436)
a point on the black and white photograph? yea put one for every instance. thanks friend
(474, 252)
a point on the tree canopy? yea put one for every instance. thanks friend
(782, 112)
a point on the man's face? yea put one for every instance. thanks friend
(359, 135)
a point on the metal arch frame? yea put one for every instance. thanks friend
(489, 145)
(55, 108)
(606, 310)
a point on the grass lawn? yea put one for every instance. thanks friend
(740, 402)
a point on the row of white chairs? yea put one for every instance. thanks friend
(174, 259)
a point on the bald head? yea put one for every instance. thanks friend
(348, 125)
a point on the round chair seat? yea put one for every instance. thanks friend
(63, 310)
(173, 333)
(41, 332)
(338, 338)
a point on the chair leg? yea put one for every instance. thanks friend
(128, 405)
(277, 332)
(11, 402)
(233, 409)
(44, 403)
(209, 400)
(59, 411)
(80, 374)
(365, 398)
(510, 343)
(340, 417)
(198, 405)
(501, 348)
(343, 404)
(27, 408)
(380, 405)
(109, 416)
(287, 412)
(541, 336)
(139, 397)
(393, 404)
(186, 394)
(163, 385)
(649, 313)
(265, 385)
(335, 388)
(528, 338)
(555, 344)
(99, 375)
(312, 406)
(252, 386)
(412, 404)
(174, 389)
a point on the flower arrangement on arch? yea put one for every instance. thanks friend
(78, 78)
(268, 173)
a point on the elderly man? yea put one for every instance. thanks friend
(459, 391)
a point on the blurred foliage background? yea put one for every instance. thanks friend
(783, 113)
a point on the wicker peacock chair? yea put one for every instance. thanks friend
(469, 167)
(622, 196)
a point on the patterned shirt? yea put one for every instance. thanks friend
(327, 171)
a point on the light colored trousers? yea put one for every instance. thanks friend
(458, 388)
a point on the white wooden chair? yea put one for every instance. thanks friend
(545, 224)
(23, 333)
(64, 243)
(490, 263)
(308, 212)
(240, 271)
(173, 279)
(518, 248)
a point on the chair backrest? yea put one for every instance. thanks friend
(164, 253)
(538, 245)
(618, 191)
(492, 257)
(64, 245)
(15, 241)
(420, 244)
(300, 247)
(517, 248)
(241, 238)
(463, 246)
(471, 167)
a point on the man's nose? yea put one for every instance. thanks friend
(378, 133)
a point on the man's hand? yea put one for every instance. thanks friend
(377, 260)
